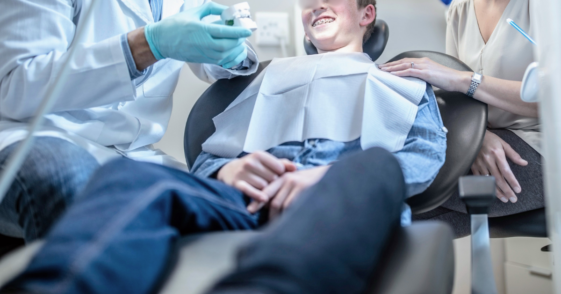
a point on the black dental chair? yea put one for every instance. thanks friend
(424, 243)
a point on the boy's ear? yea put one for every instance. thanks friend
(368, 15)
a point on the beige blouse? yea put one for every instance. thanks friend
(506, 56)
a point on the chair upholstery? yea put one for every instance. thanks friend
(203, 259)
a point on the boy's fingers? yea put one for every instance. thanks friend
(277, 202)
(255, 181)
(255, 206)
(251, 191)
(295, 192)
(271, 162)
(263, 172)
(289, 166)
(273, 188)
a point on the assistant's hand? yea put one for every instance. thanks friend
(186, 38)
(492, 161)
(286, 189)
(253, 172)
(434, 73)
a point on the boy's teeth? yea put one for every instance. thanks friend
(323, 21)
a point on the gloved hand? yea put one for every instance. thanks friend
(186, 38)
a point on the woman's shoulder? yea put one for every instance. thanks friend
(458, 9)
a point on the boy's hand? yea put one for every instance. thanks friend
(286, 188)
(253, 172)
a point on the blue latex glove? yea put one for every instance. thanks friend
(186, 38)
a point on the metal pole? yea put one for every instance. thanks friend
(545, 14)
(16, 159)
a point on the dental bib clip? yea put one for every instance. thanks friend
(239, 15)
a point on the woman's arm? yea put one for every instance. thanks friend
(500, 93)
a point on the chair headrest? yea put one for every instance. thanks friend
(374, 46)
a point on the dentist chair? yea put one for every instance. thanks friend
(411, 248)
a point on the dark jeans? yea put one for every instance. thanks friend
(53, 173)
(118, 237)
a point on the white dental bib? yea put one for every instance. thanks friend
(335, 96)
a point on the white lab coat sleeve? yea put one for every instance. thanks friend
(35, 36)
(211, 73)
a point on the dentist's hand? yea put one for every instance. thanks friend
(253, 172)
(186, 38)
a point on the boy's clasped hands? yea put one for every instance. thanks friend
(269, 180)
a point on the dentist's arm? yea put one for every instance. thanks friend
(35, 36)
(211, 73)
(185, 37)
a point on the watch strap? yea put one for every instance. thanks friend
(475, 81)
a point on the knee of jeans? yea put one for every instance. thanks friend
(54, 170)
(392, 173)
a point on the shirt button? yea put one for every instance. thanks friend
(444, 129)
(313, 143)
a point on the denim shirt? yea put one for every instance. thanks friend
(421, 158)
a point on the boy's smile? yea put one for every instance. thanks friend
(322, 21)
(336, 25)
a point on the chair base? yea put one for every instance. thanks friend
(526, 224)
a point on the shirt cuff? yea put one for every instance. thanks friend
(133, 71)
(244, 65)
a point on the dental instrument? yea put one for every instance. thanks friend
(239, 15)
(514, 25)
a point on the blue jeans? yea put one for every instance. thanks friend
(118, 236)
(52, 174)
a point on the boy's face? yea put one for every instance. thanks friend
(336, 25)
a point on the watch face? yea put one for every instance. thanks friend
(477, 77)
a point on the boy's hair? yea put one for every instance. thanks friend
(370, 28)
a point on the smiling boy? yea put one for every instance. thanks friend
(117, 238)
(338, 29)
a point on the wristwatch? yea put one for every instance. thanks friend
(475, 81)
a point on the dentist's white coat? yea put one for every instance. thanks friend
(100, 108)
